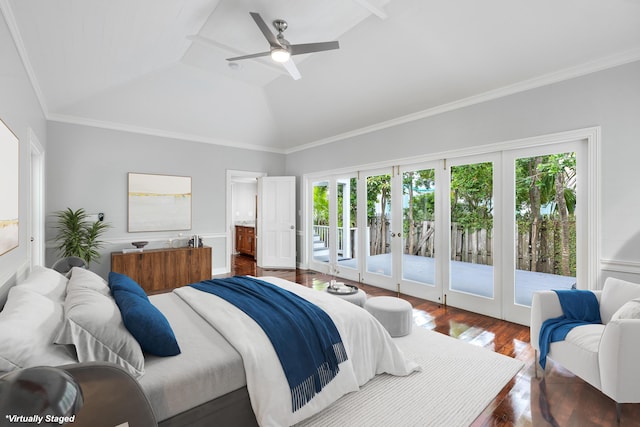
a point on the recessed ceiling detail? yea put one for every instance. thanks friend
(160, 66)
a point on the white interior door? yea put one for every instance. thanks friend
(276, 227)
(36, 212)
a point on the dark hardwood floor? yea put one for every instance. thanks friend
(557, 398)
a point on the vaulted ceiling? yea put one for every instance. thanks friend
(159, 66)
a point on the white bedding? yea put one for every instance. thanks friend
(370, 348)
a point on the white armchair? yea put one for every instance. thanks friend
(607, 356)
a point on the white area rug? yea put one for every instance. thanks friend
(457, 382)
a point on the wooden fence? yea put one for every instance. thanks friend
(548, 247)
(379, 236)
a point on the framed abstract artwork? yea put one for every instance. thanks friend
(159, 202)
(9, 189)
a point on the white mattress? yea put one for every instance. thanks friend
(207, 368)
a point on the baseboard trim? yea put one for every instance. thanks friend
(220, 270)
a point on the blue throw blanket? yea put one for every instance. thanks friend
(580, 307)
(303, 336)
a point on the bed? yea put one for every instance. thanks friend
(220, 373)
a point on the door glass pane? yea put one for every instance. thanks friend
(418, 223)
(546, 224)
(347, 222)
(471, 266)
(378, 224)
(321, 221)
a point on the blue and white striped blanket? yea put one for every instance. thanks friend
(303, 336)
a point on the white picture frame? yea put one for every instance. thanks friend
(9, 189)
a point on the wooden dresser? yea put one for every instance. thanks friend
(158, 270)
(246, 240)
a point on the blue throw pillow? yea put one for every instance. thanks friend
(147, 324)
(121, 282)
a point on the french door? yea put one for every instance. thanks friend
(472, 272)
(479, 232)
(379, 228)
(376, 202)
(418, 220)
(544, 222)
(334, 243)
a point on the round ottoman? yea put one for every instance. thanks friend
(393, 313)
(359, 298)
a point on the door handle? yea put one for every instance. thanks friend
(293, 227)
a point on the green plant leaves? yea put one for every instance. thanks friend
(78, 236)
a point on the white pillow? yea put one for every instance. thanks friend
(29, 323)
(47, 282)
(630, 310)
(615, 294)
(94, 325)
(83, 278)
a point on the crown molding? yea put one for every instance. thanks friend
(544, 80)
(63, 118)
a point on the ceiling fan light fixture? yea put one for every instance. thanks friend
(280, 54)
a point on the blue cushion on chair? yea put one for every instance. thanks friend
(121, 282)
(147, 324)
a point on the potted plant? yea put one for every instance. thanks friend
(77, 236)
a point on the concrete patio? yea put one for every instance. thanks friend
(465, 277)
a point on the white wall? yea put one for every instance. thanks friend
(243, 204)
(20, 110)
(87, 168)
(610, 99)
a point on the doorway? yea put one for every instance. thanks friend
(242, 191)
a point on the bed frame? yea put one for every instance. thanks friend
(232, 409)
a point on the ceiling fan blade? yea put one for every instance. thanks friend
(271, 38)
(290, 66)
(297, 49)
(253, 55)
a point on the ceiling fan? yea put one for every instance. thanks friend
(280, 49)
